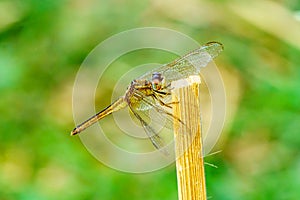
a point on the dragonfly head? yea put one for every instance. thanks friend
(157, 80)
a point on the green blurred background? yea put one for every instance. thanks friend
(43, 43)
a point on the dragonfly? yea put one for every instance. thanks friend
(151, 92)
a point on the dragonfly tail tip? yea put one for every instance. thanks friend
(75, 131)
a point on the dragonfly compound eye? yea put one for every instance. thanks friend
(157, 76)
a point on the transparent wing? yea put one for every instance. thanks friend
(156, 140)
(153, 117)
(153, 112)
(187, 65)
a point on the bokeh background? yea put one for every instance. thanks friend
(43, 43)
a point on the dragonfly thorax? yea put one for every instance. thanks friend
(143, 86)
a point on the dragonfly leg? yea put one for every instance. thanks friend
(173, 102)
(161, 92)
(168, 87)
(163, 103)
